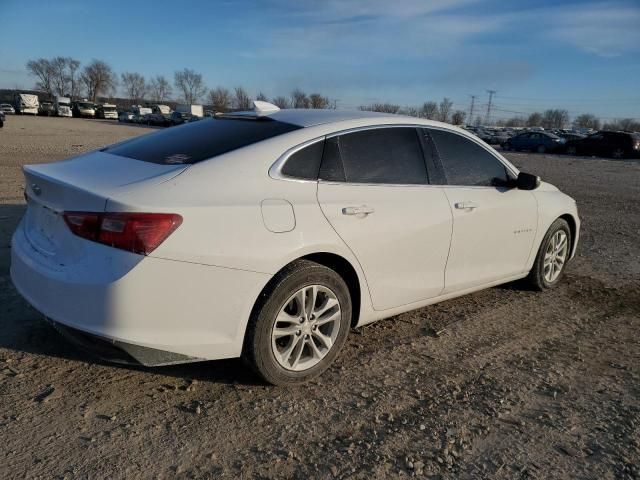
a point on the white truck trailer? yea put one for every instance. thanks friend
(26, 103)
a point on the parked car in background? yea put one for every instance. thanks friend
(160, 116)
(606, 144)
(46, 109)
(499, 137)
(125, 116)
(570, 136)
(62, 106)
(83, 109)
(178, 118)
(269, 234)
(26, 103)
(6, 108)
(107, 111)
(538, 141)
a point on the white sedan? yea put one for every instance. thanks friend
(268, 234)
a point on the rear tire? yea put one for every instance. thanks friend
(285, 343)
(553, 254)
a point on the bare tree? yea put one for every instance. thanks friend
(534, 120)
(318, 101)
(410, 111)
(262, 97)
(444, 109)
(587, 120)
(515, 122)
(627, 124)
(299, 99)
(221, 99)
(159, 89)
(190, 84)
(74, 82)
(44, 71)
(281, 102)
(458, 117)
(241, 99)
(381, 107)
(135, 86)
(60, 76)
(555, 118)
(429, 110)
(98, 79)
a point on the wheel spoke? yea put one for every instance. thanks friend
(287, 353)
(326, 341)
(279, 332)
(317, 354)
(329, 318)
(330, 303)
(296, 356)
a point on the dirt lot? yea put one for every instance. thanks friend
(517, 384)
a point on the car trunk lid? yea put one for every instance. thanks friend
(83, 183)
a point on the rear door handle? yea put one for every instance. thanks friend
(361, 211)
(466, 205)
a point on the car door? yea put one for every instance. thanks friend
(493, 225)
(374, 190)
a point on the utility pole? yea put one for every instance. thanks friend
(491, 94)
(473, 102)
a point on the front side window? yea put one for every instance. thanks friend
(467, 163)
(379, 155)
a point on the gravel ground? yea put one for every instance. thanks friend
(506, 383)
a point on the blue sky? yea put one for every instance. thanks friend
(580, 55)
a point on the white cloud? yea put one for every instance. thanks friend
(603, 29)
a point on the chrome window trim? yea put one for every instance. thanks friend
(275, 171)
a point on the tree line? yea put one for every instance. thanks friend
(63, 76)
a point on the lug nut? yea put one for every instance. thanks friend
(298, 333)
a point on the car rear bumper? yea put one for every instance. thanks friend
(172, 307)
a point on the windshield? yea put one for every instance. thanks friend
(199, 141)
(109, 109)
(85, 105)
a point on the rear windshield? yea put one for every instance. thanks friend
(199, 141)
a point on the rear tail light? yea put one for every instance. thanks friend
(636, 146)
(135, 232)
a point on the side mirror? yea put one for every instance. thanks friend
(526, 181)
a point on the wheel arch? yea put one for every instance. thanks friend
(335, 262)
(573, 228)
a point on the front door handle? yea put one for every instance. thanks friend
(361, 211)
(466, 205)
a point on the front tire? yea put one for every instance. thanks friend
(299, 325)
(552, 257)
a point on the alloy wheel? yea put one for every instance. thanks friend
(306, 328)
(555, 256)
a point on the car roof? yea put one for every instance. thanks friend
(310, 117)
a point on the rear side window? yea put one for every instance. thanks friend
(305, 163)
(467, 163)
(381, 155)
(200, 140)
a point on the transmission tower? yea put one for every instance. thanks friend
(491, 94)
(473, 102)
